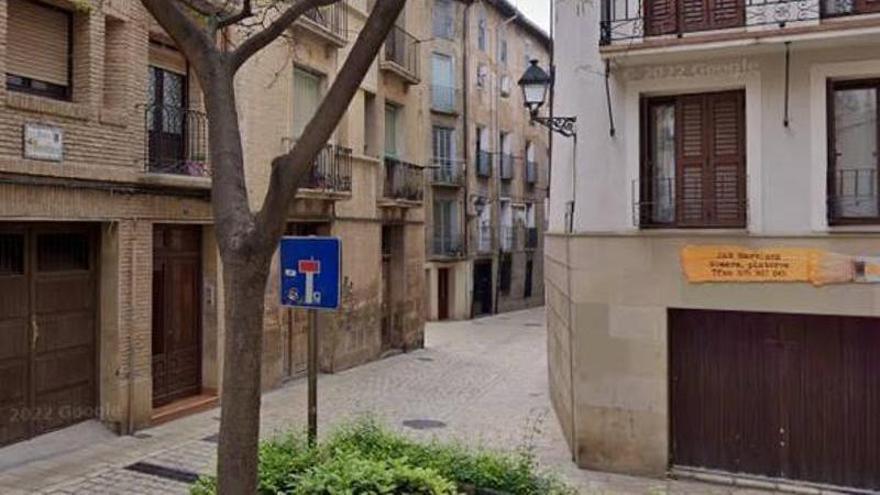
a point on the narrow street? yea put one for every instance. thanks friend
(481, 381)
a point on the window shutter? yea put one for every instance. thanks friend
(38, 42)
(695, 15)
(727, 13)
(692, 161)
(306, 97)
(660, 17)
(725, 114)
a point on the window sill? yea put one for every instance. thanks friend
(47, 106)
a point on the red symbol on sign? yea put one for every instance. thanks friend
(309, 266)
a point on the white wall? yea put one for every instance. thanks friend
(786, 167)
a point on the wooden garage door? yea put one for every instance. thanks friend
(47, 328)
(784, 396)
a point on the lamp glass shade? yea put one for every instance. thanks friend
(534, 94)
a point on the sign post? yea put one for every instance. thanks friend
(310, 280)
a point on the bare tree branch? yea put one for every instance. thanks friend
(245, 12)
(190, 37)
(289, 169)
(269, 34)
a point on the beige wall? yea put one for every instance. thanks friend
(614, 305)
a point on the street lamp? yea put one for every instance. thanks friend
(535, 84)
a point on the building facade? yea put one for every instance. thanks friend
(740, 138)
(111, 296)
(488, 177)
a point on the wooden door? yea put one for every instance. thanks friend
(177, 310)
(47, 328)
(443, 294)
(778, 395)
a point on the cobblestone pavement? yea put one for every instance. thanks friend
(486, 380)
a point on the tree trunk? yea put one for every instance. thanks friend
(244, 280)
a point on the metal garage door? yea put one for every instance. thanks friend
(777, 395)
(47, 328)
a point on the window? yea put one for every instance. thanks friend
(306, 98)
(446, 233)
(371, 143)
(673, 16)
(484, 157)
(444, 24)
(505, 86)
(393, 130)
(481, 32)
(442, 83)
(853, 154)
(482, 75)
(506, 156)
(443, 147)
(693, 170)
(503, 54)
(39, 44)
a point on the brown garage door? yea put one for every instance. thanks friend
(785, 396)
(47, 328)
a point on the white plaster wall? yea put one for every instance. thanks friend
(786, 166)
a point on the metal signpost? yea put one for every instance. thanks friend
(310, 279)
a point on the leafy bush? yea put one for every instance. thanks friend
(366, 458)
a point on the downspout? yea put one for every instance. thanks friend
(465, 123)
(497, 129)
(133, 288)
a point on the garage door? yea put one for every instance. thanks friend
(783, 396)
(47, 328)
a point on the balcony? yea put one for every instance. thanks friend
(401, 55)
(627, 20)
(329, 23)
(331, 172)
(853, 197)
(658, 203)
(484, 163)
(447, 245)
(531, 238)
(177, 141)
(511, 238)
(531, 173)
(484, 239)
(403, 181)
(447, 172)
(445, 99)
(506, 166)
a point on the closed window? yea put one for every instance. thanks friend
(693, 169)
(444, 23)
(446, 231)
(393, 141)
(443, 147)
(673, 16)
(853, 152)
(38, 49)
(442, 83)
(503, 54)
(481, 32)
(307, 88)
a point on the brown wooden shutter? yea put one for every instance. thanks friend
(38, 42)
(726, 146)
(661, 17)
(692, 161)
(695, 15)
(727, 13)
(865, 6)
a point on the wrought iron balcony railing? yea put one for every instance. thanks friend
(633, 19)
(853, 196)
(511, 238)
(658, 204)
(331, 18)
(531, 172)
(403, 180)
(484, 163)
(506, 163)
(531, 238)
(331, 171)
(448, 172)
(445, 99)
(483, 239)
(402, 50)
(177, 141)
(447, 245)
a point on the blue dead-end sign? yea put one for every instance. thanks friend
(311, 272)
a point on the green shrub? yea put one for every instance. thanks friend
(365, 458)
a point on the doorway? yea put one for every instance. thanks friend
(482, 302)
(443, 294)
(177, 313)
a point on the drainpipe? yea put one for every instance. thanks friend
(465, 122)
(497, 129)
(132, 289)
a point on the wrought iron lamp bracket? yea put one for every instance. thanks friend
(562, 125)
